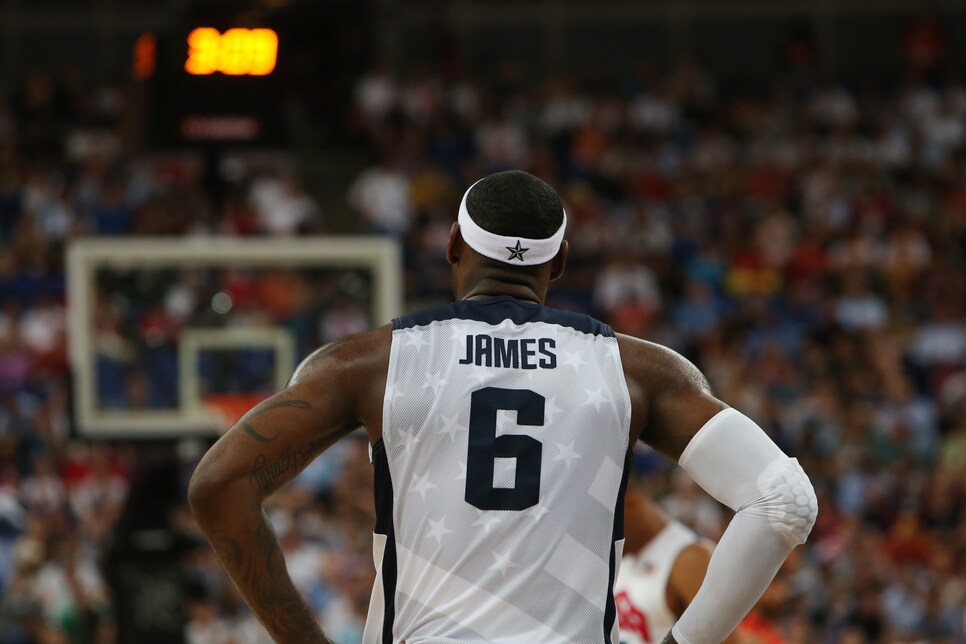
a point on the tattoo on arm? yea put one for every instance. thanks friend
(266, 478)
(228, 551)
(297, 404)
(258, 411)
(259, 437)
(258, 569)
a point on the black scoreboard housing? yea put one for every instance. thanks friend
(212, 109)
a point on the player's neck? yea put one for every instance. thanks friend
(488, 287)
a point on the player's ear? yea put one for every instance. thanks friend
(559, 261)
(454, 245)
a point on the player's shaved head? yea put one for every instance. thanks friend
(515, 204)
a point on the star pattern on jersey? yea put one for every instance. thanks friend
(502, 563)
(567, 454)
(596, 398)
(551, 410)
(572, 359)
(422, 485)
(394, 392)
(438, 529)
(462, 473)
(486, 520)
(459, 333)
(516, 252)
(537, 512)
(417, 340)
(409, 439)
(450, 426)
(435, 382)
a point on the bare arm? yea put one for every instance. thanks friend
(671, 401)
(671, 398)
(263, 451)
(731, 458)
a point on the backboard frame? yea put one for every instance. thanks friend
(86, 256)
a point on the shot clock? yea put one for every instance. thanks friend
(211, 85)
(237, 52)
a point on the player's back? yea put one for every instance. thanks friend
(502, 461)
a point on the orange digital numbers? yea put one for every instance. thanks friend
(237, 52)
(145, 53)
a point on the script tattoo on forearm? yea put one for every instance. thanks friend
(259, 572)
(258, 411)
(267, 477)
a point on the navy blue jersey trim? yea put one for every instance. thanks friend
(383, 492)
(610, 608)
(497, 309)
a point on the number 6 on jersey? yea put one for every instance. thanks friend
(485, 447)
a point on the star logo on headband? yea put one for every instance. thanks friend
(516, 252)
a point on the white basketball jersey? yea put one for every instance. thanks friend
(502, 461)
(641, 588)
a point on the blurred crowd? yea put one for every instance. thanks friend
(804, 245)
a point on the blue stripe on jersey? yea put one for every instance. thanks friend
(497, 309)
(610, 608)
(384, 525)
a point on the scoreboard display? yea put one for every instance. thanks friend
(237, 52)
(205, 85)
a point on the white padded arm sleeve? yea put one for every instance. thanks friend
(735, 461)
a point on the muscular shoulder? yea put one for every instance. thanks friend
(658, 368)
(358, 355)
(670, 398)
(355, 368)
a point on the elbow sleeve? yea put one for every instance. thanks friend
(737, 463)
(788, 500)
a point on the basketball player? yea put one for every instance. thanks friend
(500, 433)
(663, 566)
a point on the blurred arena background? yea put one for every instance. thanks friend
(195, 194)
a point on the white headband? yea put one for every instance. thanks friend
(519, 251)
